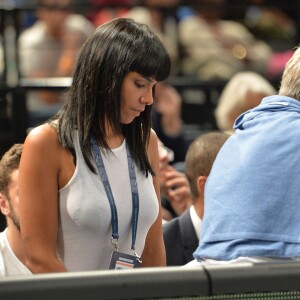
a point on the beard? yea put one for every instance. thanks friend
(15, 220)
(13, 216)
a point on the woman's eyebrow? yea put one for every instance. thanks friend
(149, 79)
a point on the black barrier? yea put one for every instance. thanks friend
(268, 281)
(265, 278)
(147, 283)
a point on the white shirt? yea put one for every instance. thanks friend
(239, 260)
(2, 267)
(9, 263)
(197, 222)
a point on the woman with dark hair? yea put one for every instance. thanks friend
(89, 197)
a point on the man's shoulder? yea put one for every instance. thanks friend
(171, 225)
(36, 31)
(171, 230)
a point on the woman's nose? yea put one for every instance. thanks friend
(147, 98)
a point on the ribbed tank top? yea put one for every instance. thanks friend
(84, 235)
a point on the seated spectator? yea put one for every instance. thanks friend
(271, 20)
(214, 48)
(49, 49)
(244, 91)
(276, 23)
(181, 235)
(11, 247)
(252, 206)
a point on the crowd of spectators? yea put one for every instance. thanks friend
(206, 39)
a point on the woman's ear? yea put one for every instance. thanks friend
(4, 205)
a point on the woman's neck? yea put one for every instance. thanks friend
(113, 139)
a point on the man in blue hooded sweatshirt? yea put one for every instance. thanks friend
(252, 196)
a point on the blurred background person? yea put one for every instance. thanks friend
(215, 48)
(49, 48)
(275, 22)
(11, 246)
(272, 20)
(244, 91)
(167, 121)
(181, 235)
(102, 11)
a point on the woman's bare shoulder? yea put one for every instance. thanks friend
(153, 148)
(43, 138)
(153, 141)
(44, 154)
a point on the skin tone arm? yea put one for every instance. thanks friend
(39, 181)
(154, 252)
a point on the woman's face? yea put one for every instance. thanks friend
(136, 93)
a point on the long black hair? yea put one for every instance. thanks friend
(114, 49)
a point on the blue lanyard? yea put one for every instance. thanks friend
(111, 200)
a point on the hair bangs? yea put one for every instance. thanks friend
(152, 63)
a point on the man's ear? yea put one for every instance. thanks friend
(201, 184)
(4, 205)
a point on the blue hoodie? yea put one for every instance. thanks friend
(252, 195)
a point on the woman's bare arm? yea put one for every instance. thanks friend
(154, 253)
(38, 190)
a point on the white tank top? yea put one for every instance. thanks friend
(9, 263)
(84, 235)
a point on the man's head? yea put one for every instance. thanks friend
(9, 172)
(290, 83)
(199, 160)
(244, 91)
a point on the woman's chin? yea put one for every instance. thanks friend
(128, 120)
